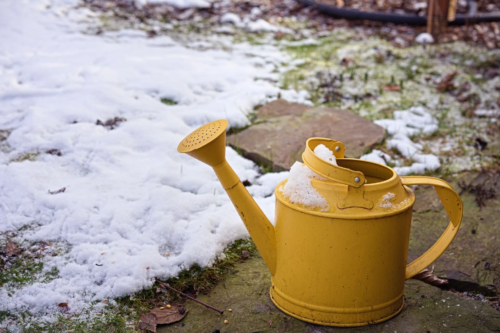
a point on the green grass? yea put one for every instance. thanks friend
(25, 271)
(26, 157)
(168, 101)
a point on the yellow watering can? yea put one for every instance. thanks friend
(345, 266)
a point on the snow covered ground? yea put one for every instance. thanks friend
(133, 208)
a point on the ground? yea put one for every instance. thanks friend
(97, 204)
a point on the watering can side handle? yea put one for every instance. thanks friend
(454, 208)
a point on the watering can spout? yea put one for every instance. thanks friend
(208, 144)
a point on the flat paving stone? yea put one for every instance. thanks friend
(278, 137)
(246, 292)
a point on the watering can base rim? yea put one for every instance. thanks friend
(346, 323)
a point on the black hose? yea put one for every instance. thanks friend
(353, 14)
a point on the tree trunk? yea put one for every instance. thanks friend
(437, 17)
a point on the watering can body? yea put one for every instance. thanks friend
(344, 264)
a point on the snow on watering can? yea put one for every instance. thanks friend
(343, 264)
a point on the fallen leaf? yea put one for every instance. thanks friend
(111, 123)
(61, 190)
(279, 35)
(64, 307)
(391, 87)
(56, 152)
(346, 62)
(446, 82)
(168, 316)
(464, 97)
(11, 249)
(148, 322)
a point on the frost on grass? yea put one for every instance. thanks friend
(299, 190)
(353, 72)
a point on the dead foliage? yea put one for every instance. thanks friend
(480, 192)
(111, 123)
(162, 315)
(11, 249)
(446, 83)
(487, 33)
(391, 87)
(414, 6)
(55, 152)
(61, 190)
(148, 322)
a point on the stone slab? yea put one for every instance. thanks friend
(246, 292)
(278, 137)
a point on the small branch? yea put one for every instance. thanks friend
(191, 298)
(429, 278)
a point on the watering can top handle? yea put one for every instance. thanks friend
(328, 170)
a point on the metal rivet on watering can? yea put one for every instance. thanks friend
(356, 179)
(337, 148)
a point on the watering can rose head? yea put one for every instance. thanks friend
(338, 250)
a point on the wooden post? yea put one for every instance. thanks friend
(437, 17)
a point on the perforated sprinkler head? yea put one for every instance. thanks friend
(207, 143)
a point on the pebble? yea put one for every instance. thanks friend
(229, 310)
(169, 306)
(225, 321)
(162, 308)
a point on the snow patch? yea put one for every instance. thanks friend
(260, 25)
(408, 123)
(424, 38)
(386, 200)
(299, 190)
(377, 156)
(325, 154)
